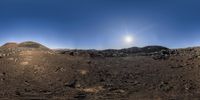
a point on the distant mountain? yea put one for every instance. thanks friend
(147, 49)
(31, 44)
(113, 52)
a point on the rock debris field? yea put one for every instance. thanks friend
(31, 71)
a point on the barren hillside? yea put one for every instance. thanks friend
(30, 73)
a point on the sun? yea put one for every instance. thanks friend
(128, 39)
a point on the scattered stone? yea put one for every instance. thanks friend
(4, 73)
(3, 79)
(162, 55)
(89, 62)
(80, 96)
(60, 69)
(26, 82)
(94, 89)
(11, 59)
(46, 92)
(71, 84)
(16, 59)
(164, 86)
(24, 63)
(177, 66)
(189, 85)
(17, 93)
(83, 72)
(1, 56)
(72, 53)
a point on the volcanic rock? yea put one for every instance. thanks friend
(71, 84)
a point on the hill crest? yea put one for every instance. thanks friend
(26, 44)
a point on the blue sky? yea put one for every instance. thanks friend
(101, 24)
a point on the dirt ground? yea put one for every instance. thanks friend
(36, 74)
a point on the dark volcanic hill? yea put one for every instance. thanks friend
(30, 44)
(148, 73)
(27, 44)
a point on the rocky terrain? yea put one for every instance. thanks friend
(31, 71)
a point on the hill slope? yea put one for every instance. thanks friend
(10, 45)
(30, 44)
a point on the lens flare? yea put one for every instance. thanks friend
(128, 39)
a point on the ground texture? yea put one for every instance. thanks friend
(43, 74)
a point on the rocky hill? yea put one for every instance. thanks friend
(30, 44)
(10, 45)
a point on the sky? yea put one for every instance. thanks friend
(101, 24)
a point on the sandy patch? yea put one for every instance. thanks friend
(83, 72)
(24, 63)
(95, 89)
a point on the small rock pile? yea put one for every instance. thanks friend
(163, 54)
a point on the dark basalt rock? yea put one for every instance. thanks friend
(71, 84)
(80, 96)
